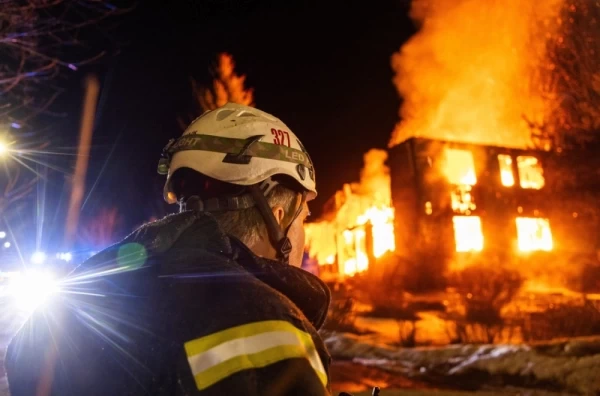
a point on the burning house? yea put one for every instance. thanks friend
(462, 183)
(441, 206)
(462, 203)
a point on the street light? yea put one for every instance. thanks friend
(2, 234)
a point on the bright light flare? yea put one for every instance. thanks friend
(3, 148)
(38, 257)
(64, 256)
(31, 289)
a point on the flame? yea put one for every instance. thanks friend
(459, 169)
(383, 229)
(505, 163)
(360, 209)
(531, 174)
(533, 234)
(475, 70)
(467, 233)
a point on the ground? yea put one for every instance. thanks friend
(555, 367)
(362, 362)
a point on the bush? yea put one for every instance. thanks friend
(406, 320)
(484, 292)
(563, 320)
(383, 287)
(341, 316)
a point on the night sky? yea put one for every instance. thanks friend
(323, 69)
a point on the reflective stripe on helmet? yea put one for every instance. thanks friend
(227, 145)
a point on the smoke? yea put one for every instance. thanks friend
(472, 72)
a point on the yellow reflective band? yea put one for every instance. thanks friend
(215, 357)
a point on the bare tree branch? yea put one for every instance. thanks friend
(41, 38)
(570, 80)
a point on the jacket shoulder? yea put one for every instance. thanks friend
(236, 332)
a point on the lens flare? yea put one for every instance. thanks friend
(31, 289)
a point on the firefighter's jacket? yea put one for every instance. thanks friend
(177, 308)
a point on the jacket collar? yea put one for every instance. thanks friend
(308, 292)
(195, 233)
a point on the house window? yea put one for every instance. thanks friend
(468, 236)
(533, 234)
(531, 174)
(506, 170)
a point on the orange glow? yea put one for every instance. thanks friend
(533, 234)
(383, 229)
(531, 174)
(506, 172)
(475, 71)
(459, 169)
(468, 236)
(358, 206)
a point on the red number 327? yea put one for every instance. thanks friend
(279, 137)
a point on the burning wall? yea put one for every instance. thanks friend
(361, 222)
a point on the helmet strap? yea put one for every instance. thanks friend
(298, 211)
(279, 239)
(257, 197)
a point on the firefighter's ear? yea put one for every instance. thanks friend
(279, 214)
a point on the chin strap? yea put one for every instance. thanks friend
(277, 235)
(257, 197)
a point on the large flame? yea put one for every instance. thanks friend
(472, 72)
(362, 222)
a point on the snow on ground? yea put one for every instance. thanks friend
(567, 366)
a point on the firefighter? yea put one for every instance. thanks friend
(208, 301)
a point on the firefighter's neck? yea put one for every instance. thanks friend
(264, 248)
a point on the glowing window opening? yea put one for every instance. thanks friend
(533, 234)
(460, 167)
(507, 177)
(531, 174)
(468, 235)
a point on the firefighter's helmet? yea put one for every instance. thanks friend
(239, 145)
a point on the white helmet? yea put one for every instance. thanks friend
(239, 145)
